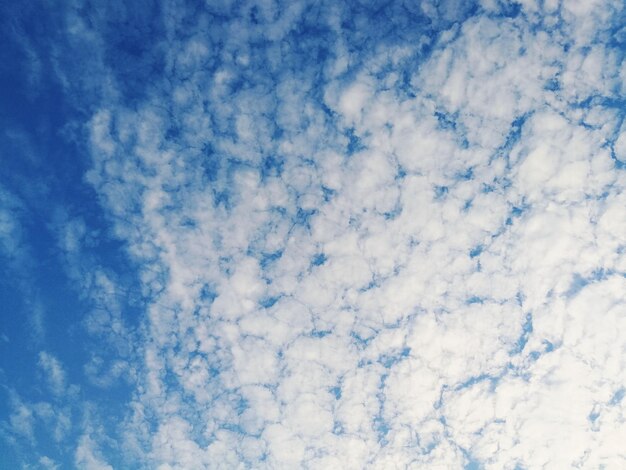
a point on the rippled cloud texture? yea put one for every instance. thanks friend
(326, 235)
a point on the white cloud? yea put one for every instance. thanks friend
(54, 372)
(21, 419)
(87, 455)
(425, 273)
(47, 462)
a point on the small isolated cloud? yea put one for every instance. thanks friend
(88, 456)
(48, 463)
(22, 419)
(54, 373)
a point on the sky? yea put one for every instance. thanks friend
(277, 234)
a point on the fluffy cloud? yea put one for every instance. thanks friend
(400, 290)
(386, 238)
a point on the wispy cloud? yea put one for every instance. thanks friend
(54, 373)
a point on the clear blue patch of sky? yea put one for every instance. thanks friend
(43, 165)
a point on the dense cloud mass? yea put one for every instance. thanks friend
(326, 235)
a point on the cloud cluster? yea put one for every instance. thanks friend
(367, 237)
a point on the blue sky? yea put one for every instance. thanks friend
(264, 234)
